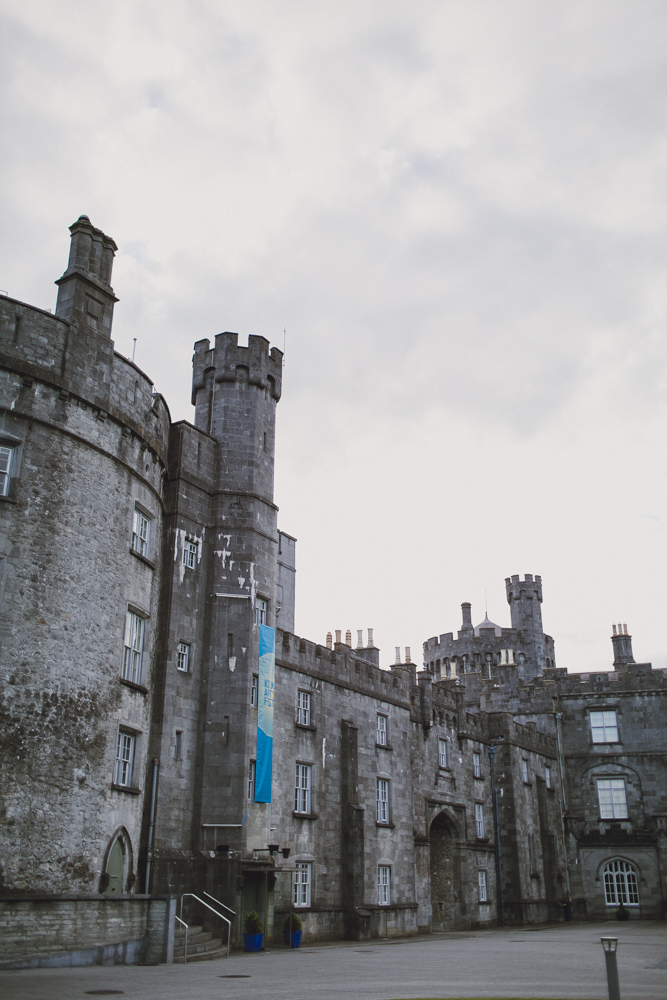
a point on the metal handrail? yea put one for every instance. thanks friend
(221, 915)
(185, 953)
(220, 903)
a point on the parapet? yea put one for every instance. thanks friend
(227, 362)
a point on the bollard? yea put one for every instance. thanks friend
(609, 944)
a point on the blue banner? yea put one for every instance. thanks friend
(267, 679)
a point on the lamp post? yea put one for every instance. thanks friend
(499, 875)
(609, 944)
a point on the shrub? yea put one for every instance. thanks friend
(296, 923)
(253, 925)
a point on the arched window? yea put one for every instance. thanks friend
(620, 883)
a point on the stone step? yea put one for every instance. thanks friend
(200, 947)
(193, 939)
(180, 931)
(203, 957)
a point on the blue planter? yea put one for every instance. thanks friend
(293, 939)
(253, 942)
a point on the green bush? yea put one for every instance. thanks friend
(296, 923)
(253, 925)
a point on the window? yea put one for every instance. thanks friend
(481, 884)
(302, 883)
(303, 708)
(5, 469)
(381, 730)
(261, 611)
(302, 789)
(524, 771)
(178, 745)
(252, 771)
(183, 662)
(603, 727)
(476, 765)
(134, 647)
(141, 533)
(254, 691)
(442, 753)
(479, 819)
(611, 794)
(547, 776)
(620, 883)
(382, 813)
(384, 885)
(124, 760)
(190, 554)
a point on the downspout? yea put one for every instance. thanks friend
(151, 826)
(563, 810)
(499, 874)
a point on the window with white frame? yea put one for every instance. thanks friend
(183, 661)
(476, 765)
(604, 728)
(141, 533)
(442, 753)
(261, 611)
(302, 883)
(190, 554)
(479, 819)
(133, 647)
(252, 772)
(303, 708)
(124, 759)
(6, 455)
(382, 811)
(524, 771)
(612, 799)
(620, 883)
(384, 885)
(481, 885)
(254, 691)
(302, 788)
(381, 730)
(547, 776)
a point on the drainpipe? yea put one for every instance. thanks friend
(151, 826)
(499, 875)
(563, 810)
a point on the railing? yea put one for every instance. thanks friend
(221, 915)
(185, 953)
(220, 903)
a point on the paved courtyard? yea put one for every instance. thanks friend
(555, 962)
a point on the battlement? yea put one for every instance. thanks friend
(227, 362)
(530, 588)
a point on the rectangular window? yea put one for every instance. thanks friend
(133, 647)
(524, 771)
(183, 662)
(481, 883)
(252, 771)
(190, 554)
(547, 776)
(381, 730)
(254, 691)
(178, 746)
(382, 811)
(476, 765)
(611, 795)
(124, 760)
(302, 788)
(384, 885)
(141, 532)
(5, 469)
(442, 753)
(303, 708)
(603, 727)
(302, 883)
(479, 819)
(261, 611)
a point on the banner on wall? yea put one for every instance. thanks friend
(267, 677)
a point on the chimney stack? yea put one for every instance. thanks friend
(466, 614)
(329, 641)
(348, 638)
(622, 644)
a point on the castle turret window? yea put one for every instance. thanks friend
(141, 533)
(384, 885)
(442, 753)
(133, 647)
(183, 657)
(476, 765)
(303, 708)
(479, 819)
(382, 807)
(124, 759)
(261, 611)
(604, 728)
(190, 554)
(381, 730)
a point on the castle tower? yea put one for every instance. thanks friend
(525, 600)
(85, 295)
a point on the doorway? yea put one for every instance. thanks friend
(115, 869)
(446, 906)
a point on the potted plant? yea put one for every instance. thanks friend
(292, 930)
(253, 938)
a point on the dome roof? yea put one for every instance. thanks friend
(488, 624)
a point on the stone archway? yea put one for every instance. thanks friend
(118, 877)
(444, 875)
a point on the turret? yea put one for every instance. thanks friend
(85, 295)
(622, 643)
(525, 599)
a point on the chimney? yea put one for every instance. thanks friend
(360, 638)
(329, 641)
(85, 295)
(370, 638)
(407, 655)
(466, 614)
(398, 654)
(622, 644)
(348, 638)
(338, 639)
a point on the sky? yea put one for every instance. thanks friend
(450, 212)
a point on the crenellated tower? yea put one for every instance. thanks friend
(525, 600)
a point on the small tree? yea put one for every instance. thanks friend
(253, 925)
(296, 924)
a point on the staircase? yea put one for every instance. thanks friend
(202, 946)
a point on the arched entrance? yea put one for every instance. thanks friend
(445, 875)
(118, 877)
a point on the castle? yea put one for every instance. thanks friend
(165, 732)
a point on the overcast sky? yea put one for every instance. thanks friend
(457, 211)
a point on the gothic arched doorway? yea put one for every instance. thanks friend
(446, 906)
(117, 877)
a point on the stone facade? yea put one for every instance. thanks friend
(137, 559)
